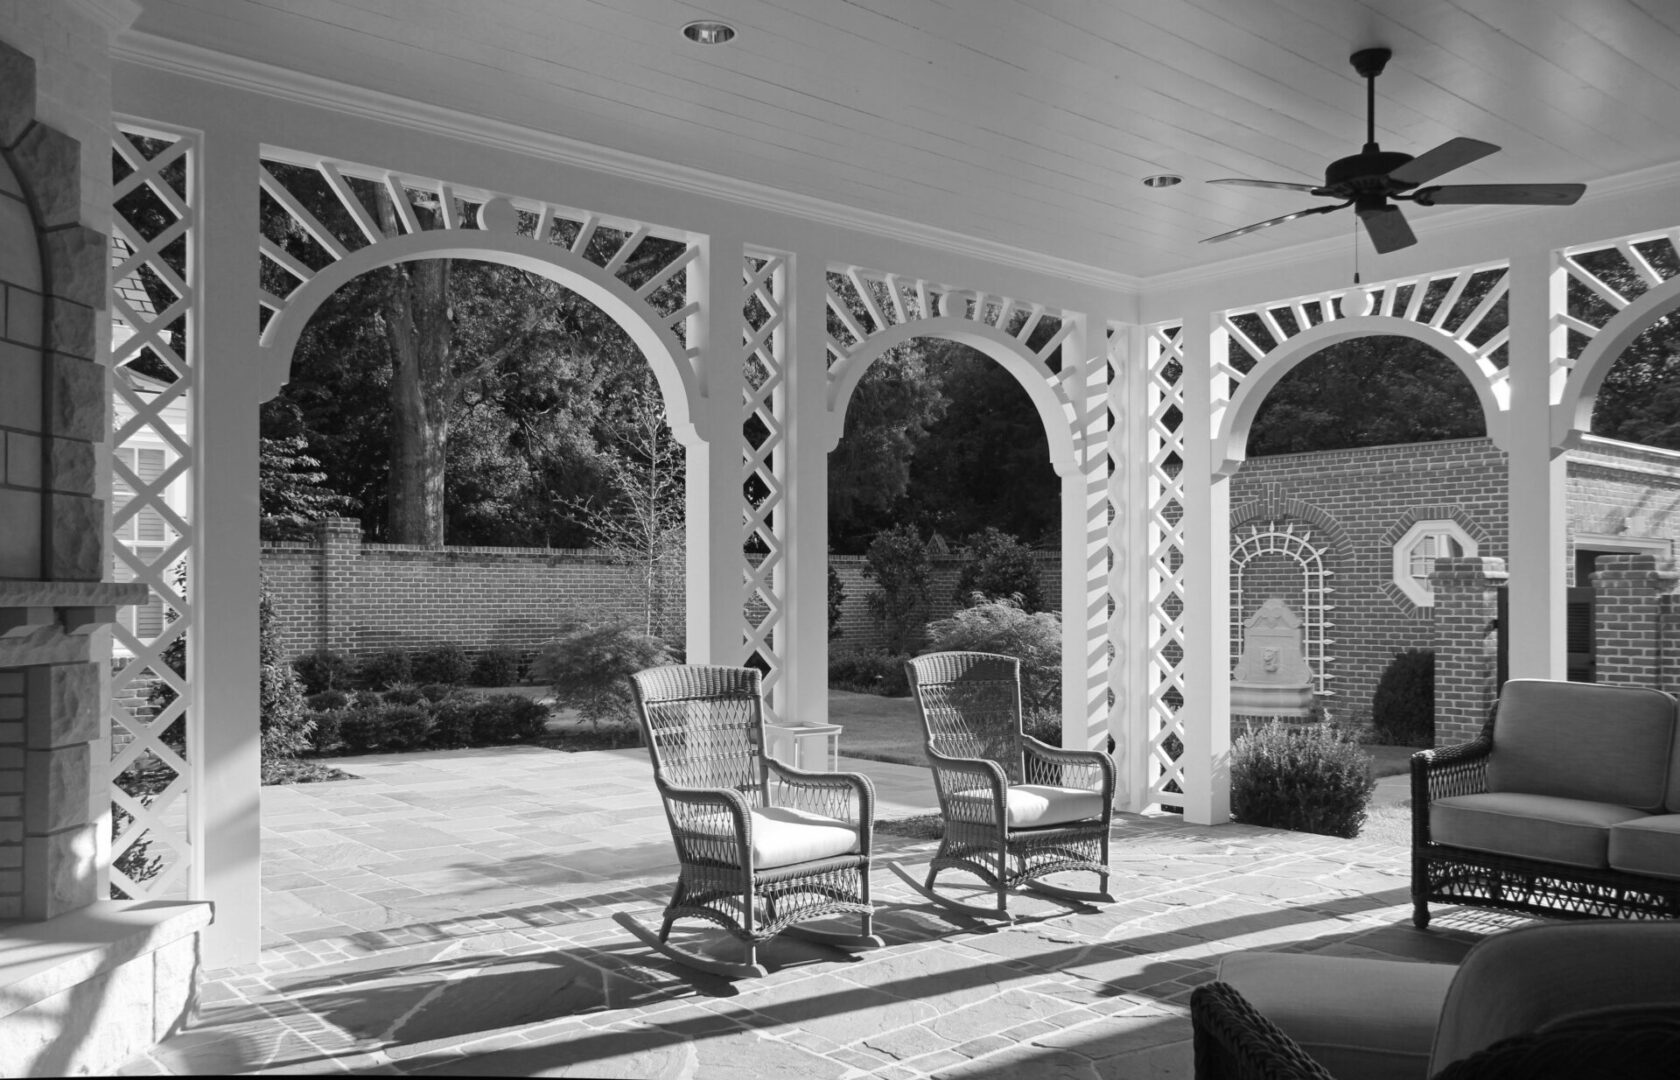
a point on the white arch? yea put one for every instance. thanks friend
(1008, 351)
(1230, 447)
(664, 353)
(1572, 416)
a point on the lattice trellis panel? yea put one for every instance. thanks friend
(1468, 306)
(1298, 546)
(863, 303)
(150, 775)
(316, 211)
(764, 466)
(1603, 278)
(1164, 443)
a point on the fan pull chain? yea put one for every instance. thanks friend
(1355, 234)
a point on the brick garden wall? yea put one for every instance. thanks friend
(858, 631)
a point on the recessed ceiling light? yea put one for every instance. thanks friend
(707, 32)
(1162, 180)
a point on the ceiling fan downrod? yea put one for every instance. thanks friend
(1369, 63)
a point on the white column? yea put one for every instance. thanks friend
(713, 507)
(1536, 496)
(1085, 541)
(225, 569)
(1128, 576)
(1207, 556)
(804, 584)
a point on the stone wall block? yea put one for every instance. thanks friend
(78, 259)
(73, 330)
(91, 1029)
(175, 977)
(66, 703)
(63, 873)
(50, 162)
(72, 466)
(17, 93)
(78, 542)
(81, 400)
(56, 788)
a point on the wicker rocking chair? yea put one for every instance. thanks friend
(1015, 809)
(761, 846)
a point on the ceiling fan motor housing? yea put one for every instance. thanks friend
(1364, 172)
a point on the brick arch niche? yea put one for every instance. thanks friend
(1288, 549)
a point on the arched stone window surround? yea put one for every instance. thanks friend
(1384, 554)
(1231, 442)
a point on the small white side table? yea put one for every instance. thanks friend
(812, 747)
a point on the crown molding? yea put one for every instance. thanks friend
(193, 61)
(115, 16)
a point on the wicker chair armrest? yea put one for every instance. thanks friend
(692, 809)
(842, 795)
(1234, 1042)
(1090, 769)
(1460, 769)
(970, 776)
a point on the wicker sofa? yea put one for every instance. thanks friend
(1568, 805)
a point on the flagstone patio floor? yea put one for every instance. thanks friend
(450, 913)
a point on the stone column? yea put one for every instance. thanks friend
(1466, 606)
(1632, 595)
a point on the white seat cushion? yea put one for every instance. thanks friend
(782, 836)
(1033, 805)
(1570, 831)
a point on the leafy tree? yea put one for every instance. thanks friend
(1369, 391)
(291, 485)
(997, 566)
(589, 666)
(898, 563)
(887, 424)
(836, 603)
(1001, 626)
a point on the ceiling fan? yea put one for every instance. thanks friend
(1367, 180)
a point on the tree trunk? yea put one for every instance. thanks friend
(420, 334)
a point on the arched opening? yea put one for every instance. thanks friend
(944, 487)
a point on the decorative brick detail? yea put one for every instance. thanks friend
(1466, 644)
(57, 789)
(73, 330)
(1632, 592)
(78, 547)
(65, 704)
(71, 466)
(63, 874)
(78, 261)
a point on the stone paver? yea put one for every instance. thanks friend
(449, 913)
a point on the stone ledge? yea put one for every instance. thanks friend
(77, 594)
(39, 960)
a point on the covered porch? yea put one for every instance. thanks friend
(835, 181)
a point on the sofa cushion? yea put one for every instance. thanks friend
(782, 836)
(1647, 845)
(1604, 744)
(1353, 1015)
(1570, 831)
(1525, 979)
(1034, 805)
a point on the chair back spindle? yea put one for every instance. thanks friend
(971, 706)
(704, 726)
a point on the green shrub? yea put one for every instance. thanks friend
(898, 562)
(496, 666)
(1000, 626)
(436, 692)
(997, 566)
(328, 700)
(358, 728)
(453, 721)
(868, 673)
(324, 670)
(402, 693)
(403, 727)
(503, 718)
(1403, 706)
(328, 725)
(387, 669)
(589, 667)
(285, 723)
(446, 663)
(1308, 778)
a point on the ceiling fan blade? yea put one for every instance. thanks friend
(1516, 194)
(1443, 159)
(1269, 222)
(1285, 185)
(1387, 228)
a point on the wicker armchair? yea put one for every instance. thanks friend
(1015, 809)
(761, 846)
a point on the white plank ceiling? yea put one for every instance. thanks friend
(1027, 123)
